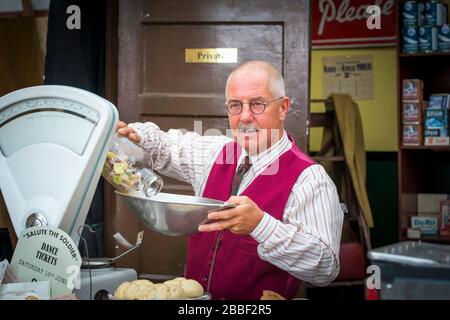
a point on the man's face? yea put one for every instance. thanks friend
(256, 132)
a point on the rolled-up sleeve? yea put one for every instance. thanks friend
(179, 154)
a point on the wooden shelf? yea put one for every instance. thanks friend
(434, 148)
(430, 54)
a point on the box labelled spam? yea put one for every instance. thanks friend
(436, 118)
(441, 132)
(412, 90)
(412, 134)
(412, 112)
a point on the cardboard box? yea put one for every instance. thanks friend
(413, 233)
(439, 101)
(412, 134)
(430, 202)
(437, 141)
(437, 119)
(435, 133)
(412, 112)
(412, 90)
(39, 290)
(426, 225)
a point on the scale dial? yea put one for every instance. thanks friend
(46, 120)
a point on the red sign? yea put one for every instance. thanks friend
(347, 23)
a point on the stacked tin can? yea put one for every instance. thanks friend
(425, 27)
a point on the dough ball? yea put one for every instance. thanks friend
(192, 288)
(180, 279)
(162, 292)
(133, 291)
(149, 293)
(142, 289)
(271, 295)
(143, 282)
(171, 283)
(159, 285)
(177, 293)
(119, 294)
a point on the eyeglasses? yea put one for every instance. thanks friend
(257, 106)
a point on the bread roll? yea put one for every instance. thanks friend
(132, 291)
(180, 279)
(162, 292)
(159, 285)
(271, 295)
(119, 294)
(176, 289)
(192, 288)
(149, 293)
(143, 282)
(177, 293)
(175, 283)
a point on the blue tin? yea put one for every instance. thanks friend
(421, 17)
(410, 13)
(428, 39)
(444, 38)
(434, 13)
(410, 39)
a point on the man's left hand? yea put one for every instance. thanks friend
(241, 219)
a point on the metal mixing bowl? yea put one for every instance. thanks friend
(172, 214)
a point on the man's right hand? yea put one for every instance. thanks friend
(124, 130)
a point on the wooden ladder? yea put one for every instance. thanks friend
(331, 156)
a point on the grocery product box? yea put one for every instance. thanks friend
(426, 225)
(437, 141)
(412, 112)
(412, 90)
(441, 132)
(430, 202)
(436, 118)
(439, 101)
(412, 134)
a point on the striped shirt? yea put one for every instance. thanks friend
(305, 243)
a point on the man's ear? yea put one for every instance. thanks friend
(284, 108)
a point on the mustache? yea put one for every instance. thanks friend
(247, 127)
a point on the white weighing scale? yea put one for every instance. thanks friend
(53, 144)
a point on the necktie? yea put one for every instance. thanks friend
(240, 172)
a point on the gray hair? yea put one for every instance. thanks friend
(276, 81)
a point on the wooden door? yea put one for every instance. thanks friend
(155, 83)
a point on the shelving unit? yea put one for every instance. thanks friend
(434, 148)
(430, 54)
(421, 169)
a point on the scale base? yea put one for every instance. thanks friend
(103, 279)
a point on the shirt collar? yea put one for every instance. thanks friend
(261, 160)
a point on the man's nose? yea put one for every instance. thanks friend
(246, 114)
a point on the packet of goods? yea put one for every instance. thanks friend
(39, 290)
(119, 170)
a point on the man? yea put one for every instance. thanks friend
(287, 222)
